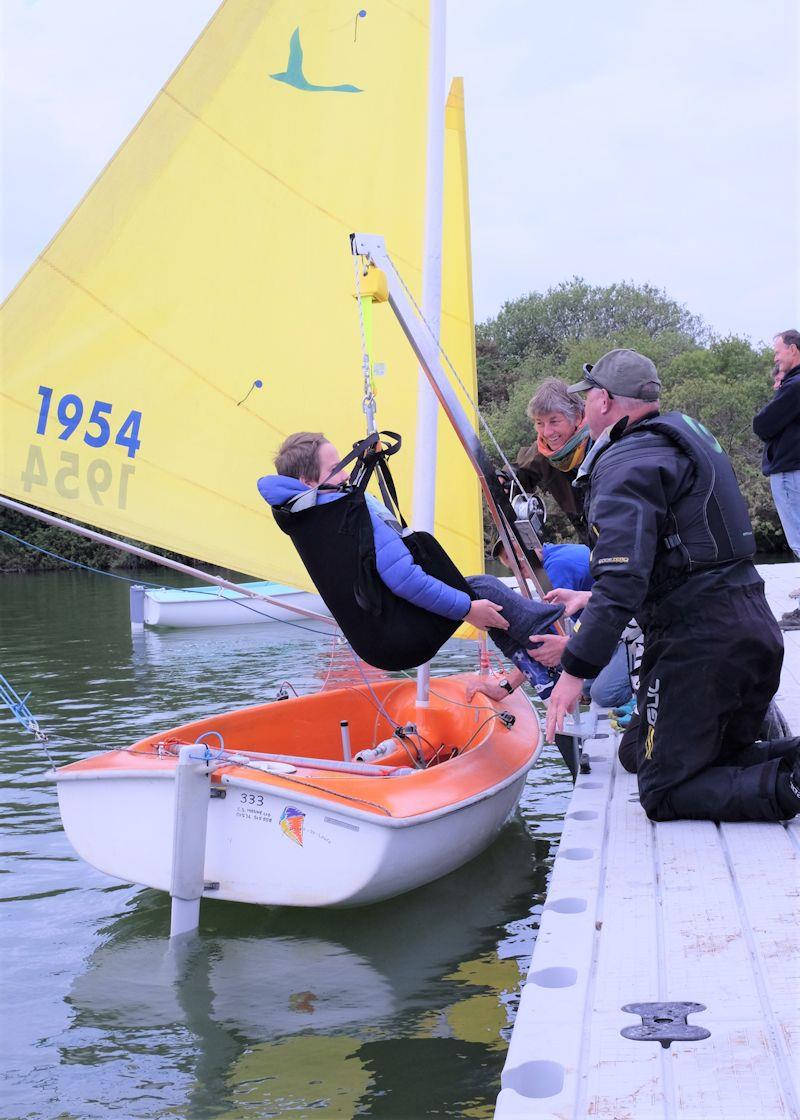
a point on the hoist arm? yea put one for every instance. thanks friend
(521, 553)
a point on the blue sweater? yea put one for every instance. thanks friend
(396, 566)
(567, 565)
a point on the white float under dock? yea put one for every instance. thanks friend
(686, 911)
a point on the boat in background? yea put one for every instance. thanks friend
(220, 606)
(190, 607)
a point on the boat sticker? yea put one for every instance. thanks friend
(253, 807)
(293, 74)
(291, 823)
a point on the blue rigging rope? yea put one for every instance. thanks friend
(18, 706)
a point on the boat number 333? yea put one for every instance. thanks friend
(76, 475)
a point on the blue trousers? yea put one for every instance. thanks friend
(785, 488)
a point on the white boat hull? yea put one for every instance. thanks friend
(218, 606)
(122, 824)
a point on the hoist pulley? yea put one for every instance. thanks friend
(373, 285)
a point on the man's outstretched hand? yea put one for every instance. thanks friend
(547, 648)
(573, 601)
(562, 700)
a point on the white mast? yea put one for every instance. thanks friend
(427, 405)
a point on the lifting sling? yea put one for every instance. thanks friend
(335, 541)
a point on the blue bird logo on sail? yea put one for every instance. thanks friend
(293, 74)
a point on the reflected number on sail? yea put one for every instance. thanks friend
(73, 477)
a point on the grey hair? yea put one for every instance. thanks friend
(789, 338)
(553, 395)
(634, 403)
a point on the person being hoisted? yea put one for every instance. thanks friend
(395, 594)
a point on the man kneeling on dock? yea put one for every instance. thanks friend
(672, 546)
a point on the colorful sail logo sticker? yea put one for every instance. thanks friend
(292, 824)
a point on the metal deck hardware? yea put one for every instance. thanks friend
(665, 1023)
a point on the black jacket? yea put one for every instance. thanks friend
(635, 480)
(778, 425)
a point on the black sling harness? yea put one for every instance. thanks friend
(335, 541)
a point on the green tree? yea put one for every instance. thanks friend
(724, 386)
(722, 382)
(549, 324)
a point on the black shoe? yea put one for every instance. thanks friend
(787, 787)
(779, 748)
(791, 620)
(774, 725)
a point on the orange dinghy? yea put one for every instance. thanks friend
(288, 819)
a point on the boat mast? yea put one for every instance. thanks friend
(424, 496)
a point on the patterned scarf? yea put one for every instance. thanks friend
(571, 455)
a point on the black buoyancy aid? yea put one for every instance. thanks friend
(335, 541)
(710, 524)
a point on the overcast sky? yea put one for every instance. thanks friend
(646, 140)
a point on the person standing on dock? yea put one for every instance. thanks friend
(778, 426)
(673, 547)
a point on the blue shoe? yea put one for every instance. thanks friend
(626, 709)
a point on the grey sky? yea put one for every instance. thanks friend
(633, 140)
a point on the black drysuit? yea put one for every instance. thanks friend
(672, 547)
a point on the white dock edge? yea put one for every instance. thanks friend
(685, 911)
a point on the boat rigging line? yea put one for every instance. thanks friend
(18, 706)
(164, 561)
(437, 343)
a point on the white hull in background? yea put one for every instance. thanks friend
(121, 823)
(218, 606)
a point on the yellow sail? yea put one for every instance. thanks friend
(458, 517)
(197, 306)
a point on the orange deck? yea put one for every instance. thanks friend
(488, 753)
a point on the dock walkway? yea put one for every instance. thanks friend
(685, 911)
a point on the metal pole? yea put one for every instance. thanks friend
(190, 823)
(137, 606)
(164, 561)
(427, 404)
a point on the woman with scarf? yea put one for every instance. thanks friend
(562, 440)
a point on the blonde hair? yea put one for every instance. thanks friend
(298, 455)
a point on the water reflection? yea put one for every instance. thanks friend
(383, 1011)
(422, 967)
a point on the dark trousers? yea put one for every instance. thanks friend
(708, 675)
(524, 616)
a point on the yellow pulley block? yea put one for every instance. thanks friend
(373, 285)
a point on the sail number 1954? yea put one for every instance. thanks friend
(68, 413)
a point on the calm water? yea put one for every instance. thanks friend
(400, 1010)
